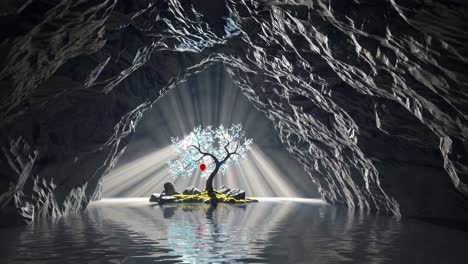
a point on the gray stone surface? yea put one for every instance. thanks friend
(236, 194)
(169, 189)
(370, 96)
(167, 199)
(155, 197)
(224, 189)
(191, 190)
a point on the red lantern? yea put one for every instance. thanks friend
(202, 167)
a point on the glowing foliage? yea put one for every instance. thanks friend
(215, 147)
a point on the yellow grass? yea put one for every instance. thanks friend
(204, 196)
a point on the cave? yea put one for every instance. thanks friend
(365, 103)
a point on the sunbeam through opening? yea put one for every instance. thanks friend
(209, 98)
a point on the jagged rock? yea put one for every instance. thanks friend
(155, 197)
(169, 189)
(224, 189)
(370, 98)
(237, 194)
(167, 199)
(191, 190)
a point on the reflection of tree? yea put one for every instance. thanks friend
(286, 233)
(265, 232)
(209, 212)
(216, 232)
(207, 239)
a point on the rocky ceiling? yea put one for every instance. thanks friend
(370, 96)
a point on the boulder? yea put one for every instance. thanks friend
(191, 190)
(169, 189)
(167, 199)
(224, 189)
(155, 197)
(236, 194)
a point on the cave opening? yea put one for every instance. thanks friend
(207, 98)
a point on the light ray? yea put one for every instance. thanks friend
(210, 98)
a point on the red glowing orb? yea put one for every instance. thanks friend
(202, 167)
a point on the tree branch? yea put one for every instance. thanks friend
(229, 154)
(198, 144)
(199, 158)
(225, 148)
(206, 154)
(235, 151)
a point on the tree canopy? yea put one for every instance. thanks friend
(215, 147)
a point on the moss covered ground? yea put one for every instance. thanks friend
(205, 197)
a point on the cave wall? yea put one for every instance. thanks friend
(369, 96)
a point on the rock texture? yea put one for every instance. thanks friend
(371, 96)
(224, 189)
(169, 189)
(155, 197)
(166, 199)
(191, 190)
(236, 194)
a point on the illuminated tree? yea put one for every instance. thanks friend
(210, 149)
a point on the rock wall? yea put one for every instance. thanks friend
(370, 96)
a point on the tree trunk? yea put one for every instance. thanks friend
(209, 182)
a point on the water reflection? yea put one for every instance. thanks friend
(131, 231)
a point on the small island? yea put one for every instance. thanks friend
(193, 195)
(211, 150)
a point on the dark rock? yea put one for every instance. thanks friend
(191, 190)
(155, 197)
(169, 189)
(236, 194)
(224, 189)
(167, 199)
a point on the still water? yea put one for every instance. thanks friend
(271, 231)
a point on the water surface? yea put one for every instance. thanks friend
(272, 231)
